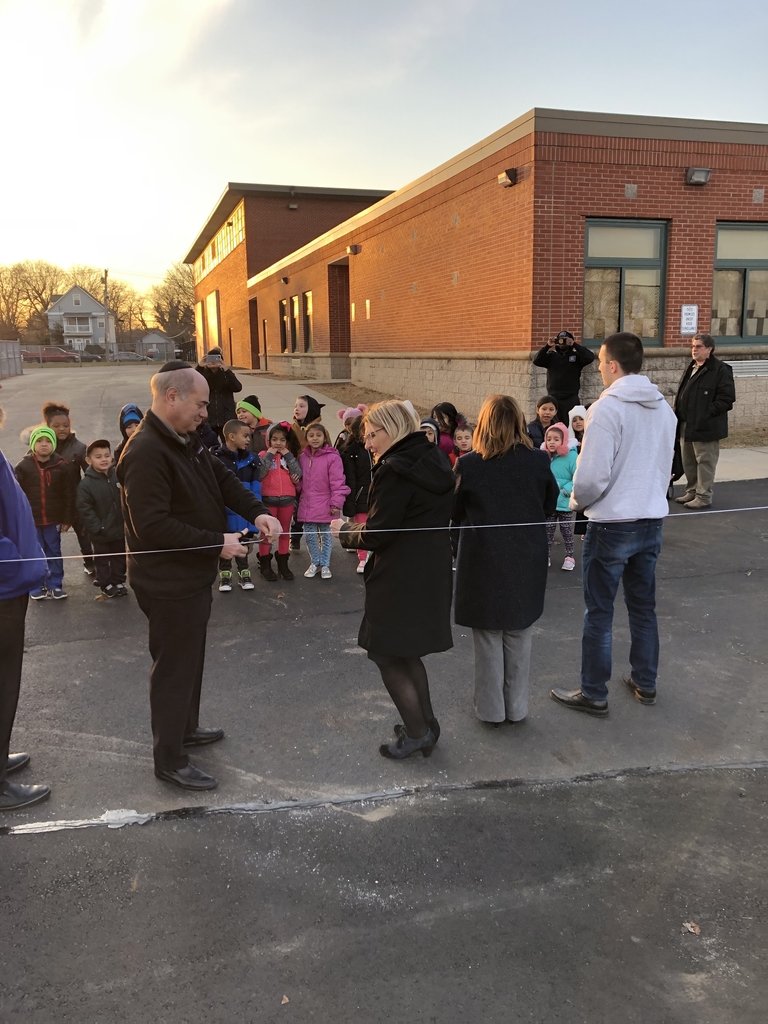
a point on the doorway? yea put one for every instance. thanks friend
(338, 307)
(253, 324)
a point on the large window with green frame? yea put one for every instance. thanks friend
(624, 265)
(740, 284)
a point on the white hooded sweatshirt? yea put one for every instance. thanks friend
(625, 463)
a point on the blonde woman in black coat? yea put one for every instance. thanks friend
(408, 577)
(501, 574)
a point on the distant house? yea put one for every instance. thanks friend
(157, 345)
(79, 317)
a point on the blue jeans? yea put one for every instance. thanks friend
(612, 552)
(319, 541)
(50, 542)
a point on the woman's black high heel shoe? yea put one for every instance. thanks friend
(434, 728)
(405, 746)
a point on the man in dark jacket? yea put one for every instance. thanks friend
(564, 360)
(98, 506)
(18, 540)
(175, 496)
(704, 396)
(223, 385)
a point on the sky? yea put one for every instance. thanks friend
(123, 120)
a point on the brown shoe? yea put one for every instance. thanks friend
(685, 498)
(698, 503)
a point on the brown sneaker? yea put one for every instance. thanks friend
(685, 498)
(698, 503)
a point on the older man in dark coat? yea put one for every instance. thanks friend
(175, 496)
(705, 395)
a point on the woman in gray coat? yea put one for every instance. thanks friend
(501, 574)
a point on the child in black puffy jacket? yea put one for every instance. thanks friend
(358, 467)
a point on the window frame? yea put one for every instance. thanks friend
(283, 321)
(307, 315)
(746, 266)
(625, 263)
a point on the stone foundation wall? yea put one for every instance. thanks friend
(309, 366)
(466, 379)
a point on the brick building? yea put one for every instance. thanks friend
(562, 219)
(250, 228)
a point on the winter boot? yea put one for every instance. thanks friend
(282, 567)
(265, 568)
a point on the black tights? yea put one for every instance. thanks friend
(407, 684)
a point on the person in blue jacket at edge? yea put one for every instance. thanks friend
(18, 540)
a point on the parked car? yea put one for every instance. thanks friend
(49, 354)
(88, 357)
(127, 357)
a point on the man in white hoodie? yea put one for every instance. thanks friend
(621, 484)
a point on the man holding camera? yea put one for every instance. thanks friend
(222, 385)
(564, 360)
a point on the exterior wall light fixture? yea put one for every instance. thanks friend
(507, 178)
(697, 175)
(354, 250)
(285, 280)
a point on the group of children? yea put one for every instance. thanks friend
(304, 480)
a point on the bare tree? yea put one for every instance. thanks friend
(90, 278)
(13, 313)
(173, 301)
(41, 281)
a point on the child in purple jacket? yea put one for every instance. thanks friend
(322, 491)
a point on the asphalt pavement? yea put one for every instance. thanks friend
(485, 883)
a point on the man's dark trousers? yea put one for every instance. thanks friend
(177, 630)
(625, 551)
(564, 405)
(12, 614)
(109, 570)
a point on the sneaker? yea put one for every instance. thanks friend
(685, 498)
(58, 593)
(325, 573)
(569, 564)
(110, 590)
(88, 570)
(39, 594)
(361, 567)
(312, 571)
(697, 503)
(225, 581)
(122, 590)
(244, 579)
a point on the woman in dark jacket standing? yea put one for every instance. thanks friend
(223, 384)
(501, 574)
(358, 471)
(408, 578)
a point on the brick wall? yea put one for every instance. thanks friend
(229, 277)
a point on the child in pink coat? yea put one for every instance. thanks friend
(322, 490)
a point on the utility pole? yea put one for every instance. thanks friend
(105, 282)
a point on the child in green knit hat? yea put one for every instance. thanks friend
(248, 411)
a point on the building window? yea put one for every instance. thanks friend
(76, 300)
(228, 237)
(624, 279)
(101, 323)
(283, 325)
(367, 309)
(294, 322)
(352, 311)
(306, 300)
(740, 285)
(81, 324)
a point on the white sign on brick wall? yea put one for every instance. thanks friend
(689, 319)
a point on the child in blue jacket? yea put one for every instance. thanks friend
(563, 466)
(236, 455)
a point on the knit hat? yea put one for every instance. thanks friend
(251, 404)
(562, 448)
(352, 413)
(428, 423)
(39, 432)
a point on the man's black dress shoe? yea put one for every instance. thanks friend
(13, 796)
(576, 700)
(644, 696)
(202, 736)
(15, 762)
(188, 778)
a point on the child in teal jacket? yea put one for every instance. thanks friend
(563, 466)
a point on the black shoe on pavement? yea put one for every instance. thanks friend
(88, 569)
(576, 700)
(295, 543)
(188, 778)
(644, 696)
(265, 568)
(282, 567)
(200, 737)
(16, 762)
(122, 590)
(110, 590)
(405, 746)
(434, 728)
(13, 796)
